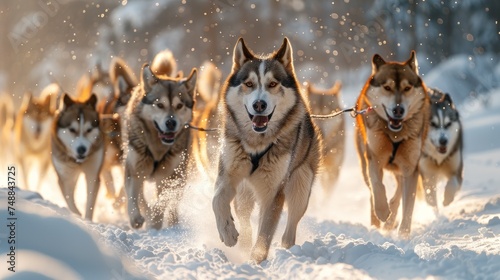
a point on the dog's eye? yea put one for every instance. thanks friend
(435, 125)
(447, 125)
(249, 84)
(407, 88)
(388, 88)
(272, 84)
(72, 130)
(160, 105)
(179, 106)
(89, 130)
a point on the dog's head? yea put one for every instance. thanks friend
(395, 90)
(37, 116)
(261, 90)
(444, 127)
(167, 103)
(77, 126)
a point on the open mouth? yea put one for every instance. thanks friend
(442, 149)
(167, 138)
(395, 124)
(260, 122)
(80, 158)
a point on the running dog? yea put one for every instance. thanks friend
(206, 115)
(156, 144)
(323, 102)
(391, 136)
(271, 150)
(78, 147)
(442, 151)
(32, 134)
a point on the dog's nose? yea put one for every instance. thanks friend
(443, 141)
(171, 123)
(81, 150)
(259, 106)
(398, 112)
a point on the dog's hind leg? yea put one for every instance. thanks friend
(107, 177)
(297, 194)
(409, 193)
(243, 206)
(270, 212)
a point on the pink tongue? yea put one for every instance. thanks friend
(260, 121)
(168, 135)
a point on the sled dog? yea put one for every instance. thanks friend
(323, 102)
(156, 145)
(112, 109)
(7, 117)
(32, 134)
(271, 150)
(78, 147)
(390, 137)
(206, 115)
(442, 149)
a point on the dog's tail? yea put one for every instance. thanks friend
(164, 64)
(209, 82)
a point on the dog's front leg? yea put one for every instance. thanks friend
(134, 184)
(225, 191)
(452, 187)
(379, 196)
(93, 167)
(67, 183)
(409, 192)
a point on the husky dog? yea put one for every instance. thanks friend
(156, 145)
(123, 81)
(32, 133)
(7, 117)
(205, 144)
(391, 136)
(78, 147)
(442, 151)
(271, 149)
(323, 102)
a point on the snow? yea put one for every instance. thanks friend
(335, 240)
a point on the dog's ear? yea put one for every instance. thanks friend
(67, 101)
(377, 62)
(412, 62)
(241, 54)
(191, 80)
(92, 101)
(285, 55)
(148, 79)
(28, 96)
(309, 88)
(447, 98)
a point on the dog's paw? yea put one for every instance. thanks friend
(137, 221)
(449, 195)
(228, 234)
(382, 212)
(259, 254)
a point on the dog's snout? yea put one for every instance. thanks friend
(171, 123)
(443, 141)
(259, 106)
(398, 111)
(81, 150)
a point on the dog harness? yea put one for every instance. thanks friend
(255, 158)
(395, 146)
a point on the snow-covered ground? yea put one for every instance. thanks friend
(335, 240)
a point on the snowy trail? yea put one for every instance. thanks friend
(334, 239)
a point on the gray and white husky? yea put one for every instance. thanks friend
(156, 145)
(442, 152)
(271, 149)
